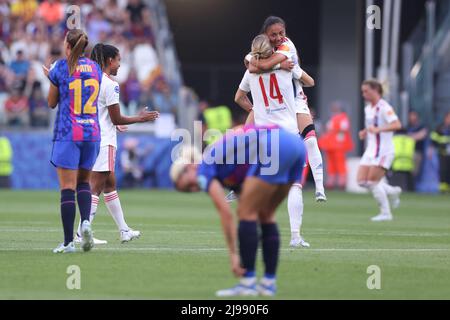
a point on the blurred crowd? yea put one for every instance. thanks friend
(32, 33)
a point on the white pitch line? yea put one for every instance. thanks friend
(168, 249)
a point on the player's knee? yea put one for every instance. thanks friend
(309, 131)
(372, 184)
(363, 184)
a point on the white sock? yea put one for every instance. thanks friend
(94, 204)
(295, 209)
(381, 196)
(390, 190)
(315, 162)
(112, 202)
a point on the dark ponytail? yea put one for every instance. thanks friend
(270, 21)
(102, 52)
(78, 41)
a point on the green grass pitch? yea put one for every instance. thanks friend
(181, 253)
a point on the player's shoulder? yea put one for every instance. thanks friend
(109, 85)
(384, 105)
(108, 81)
(288, 42)
(58, 64)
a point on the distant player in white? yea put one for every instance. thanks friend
(380, 124)
(284, 49)
(274, 103)
(111, 120)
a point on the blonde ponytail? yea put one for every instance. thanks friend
(78, 42)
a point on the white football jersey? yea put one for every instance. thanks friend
(108, 96)
(288, 49)
(380, 115)
(273, 98)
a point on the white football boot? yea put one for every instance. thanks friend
(128, 235)
(383, 217)
(78, 240)
(70, 248)
(299, 243)
(246, 288)
(321, 197)
(87, 242)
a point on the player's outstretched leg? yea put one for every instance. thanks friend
(393, 193)
(295, 210)
(314, 157)
(114, 207)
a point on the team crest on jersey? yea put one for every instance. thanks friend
(116, 89)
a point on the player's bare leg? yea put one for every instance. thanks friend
(114, 207)
(306, 127)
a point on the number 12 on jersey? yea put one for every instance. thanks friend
(77, 87)
(274, 90)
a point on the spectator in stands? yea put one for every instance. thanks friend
(136, 10)
(419, 133)
(97, 25)
(130, 162)
(336, 142)
(52, 12)
(162, 98)
(16, 108)
(441, 140)
(115, 14)
(39, 111)
(132, 89)
(24, 9)
(20, 66)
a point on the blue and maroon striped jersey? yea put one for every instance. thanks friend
(77, 117)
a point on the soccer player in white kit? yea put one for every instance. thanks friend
(274, 103)
(275, 29)
(380, 124)
(110, 119)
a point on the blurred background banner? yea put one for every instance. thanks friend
(142, 161)
(184, 58)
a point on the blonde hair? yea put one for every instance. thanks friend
(78, 41)
(261, 47)
(188, 154)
